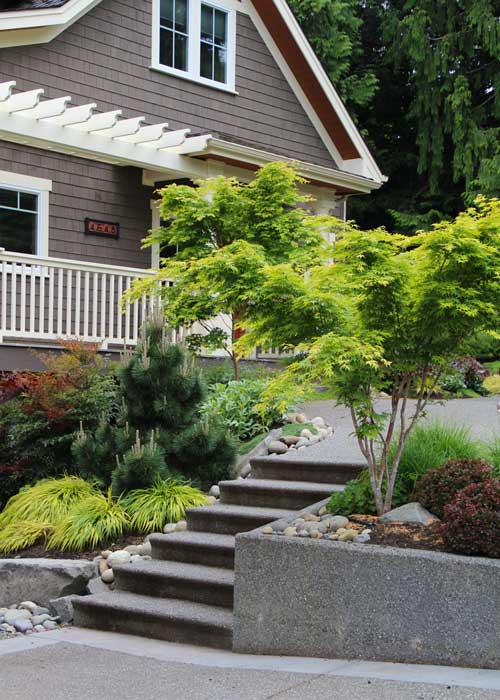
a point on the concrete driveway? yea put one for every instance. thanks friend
(74, 664)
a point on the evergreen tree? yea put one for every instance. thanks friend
(159, 427)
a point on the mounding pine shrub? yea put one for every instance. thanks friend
(165, 501)
(439, 487)
(430, 445)
(472, 521)
(96, 519)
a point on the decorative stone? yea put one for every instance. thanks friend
(103, 566)
(303, 533)
(108, 576)
(132, 549)
(277, 447)
(347, 536)
(361, 539)
(211, 500)
(181, 526)
(145, 548)
(7, 628)
(318, 422)
(39, 628)
(334, 536)
(214, 491)
(301, 418)
(290, 532)
(315, 534)
(39, 610)
(338, 521)
(267, 530)
(11, 616)
(310, 517)
(22, 625)
(303, 442)
(169, 528)
(50, 625)
(106, 553)
(135, 558)
(306, 433)
(39, 619)
(290, 439)
(63, 608)
(322, 511)
(28, 605)
(366, 532)
(119, 557)
(409, 513)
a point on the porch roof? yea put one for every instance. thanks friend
(82, 131)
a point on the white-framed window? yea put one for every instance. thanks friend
(24, 213)
(196, 40)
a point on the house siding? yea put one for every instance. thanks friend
(84, 188)
(105, 57)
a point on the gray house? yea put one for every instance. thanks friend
(101, 101)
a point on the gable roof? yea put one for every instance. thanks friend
(283, 36)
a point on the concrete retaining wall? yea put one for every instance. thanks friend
(324, 599)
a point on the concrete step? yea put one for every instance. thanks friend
(229, 520)
(294, 469)
(205, 548)
(270, 493)
(171, 579)
(158, 618)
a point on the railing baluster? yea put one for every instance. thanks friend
(32, 298)
(78, 294)
(52, 273)
(103, 305)
(111, 331)
(41, 304)
(69, 301)
(3, 321)
(119, 319)
(60, 288)
(13, 298)
(136, 321)
(86, 299)
(127, 311)
(23, 299)
(95, 295)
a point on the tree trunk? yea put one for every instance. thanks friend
(236, 367)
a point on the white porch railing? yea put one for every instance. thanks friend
(45, 299)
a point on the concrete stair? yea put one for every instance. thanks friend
(185, 593)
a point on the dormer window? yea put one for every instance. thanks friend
(195, 39)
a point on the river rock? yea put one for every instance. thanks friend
(40, 619)
(22, 626)
(290, 532)
(214, 491)
(268, 530)
(306, 433)
(63, 607)
(277, 447)
(145, 549)
(28, 605)
(318, 422)
(169, 528)
(361, 539)
(108, 576)
(119, 557)
(409, 513)
(132, 549)
(347, 535)
(290, 439)
(181, 526)
(337, 522)
(11, 616)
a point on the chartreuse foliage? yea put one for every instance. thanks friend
(70, 514)
(402, 309)
(224, 232)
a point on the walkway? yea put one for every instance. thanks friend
(75, 664)
(480, 415)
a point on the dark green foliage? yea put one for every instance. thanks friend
(141, 467)
(159, 431)
(472, 520)
(439, 487)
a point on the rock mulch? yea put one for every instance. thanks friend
(108, 559)
(303, 437)
(26, 618)
(322, 526)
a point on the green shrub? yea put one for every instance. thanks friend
(429, 446)
(483, 346)
(140, 467)
(21, 534)
(472, 520)
(439, 487)
(452, 382)
(492, 384)
(492, 454)
(94, 520)
(235, 405)
(165, 501)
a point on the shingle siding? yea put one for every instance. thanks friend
(83, 188)
(106, 56)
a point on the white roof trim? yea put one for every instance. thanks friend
(365, 165)
(55, 125)
(40, 26)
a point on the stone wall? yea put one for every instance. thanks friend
(300, 597)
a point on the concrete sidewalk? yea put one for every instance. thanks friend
(479, 415)
(76, 664)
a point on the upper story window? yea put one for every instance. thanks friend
(196, 40)
(24, 213)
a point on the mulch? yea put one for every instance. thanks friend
(39, 551)
(403, 535)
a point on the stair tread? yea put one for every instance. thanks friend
(242, 511)
(281, 485)
(190, 537)
(172, 608)
(297, 460)
(179, 570)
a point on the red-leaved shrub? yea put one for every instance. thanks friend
(472, 521)
(438, 487)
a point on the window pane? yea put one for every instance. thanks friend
(28, 201)
(206, 61)
(220, 65)
(18, 231)
(8, 198)
(220, 28)
(166, 47)
(207, 23)
(181, 16)
(167, 13)
(180, 52)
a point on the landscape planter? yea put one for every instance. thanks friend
(317, 598)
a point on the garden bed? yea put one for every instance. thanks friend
(38, 551)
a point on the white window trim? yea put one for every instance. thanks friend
(40, 187)
(193, 72)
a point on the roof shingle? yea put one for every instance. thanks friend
(20, 5)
